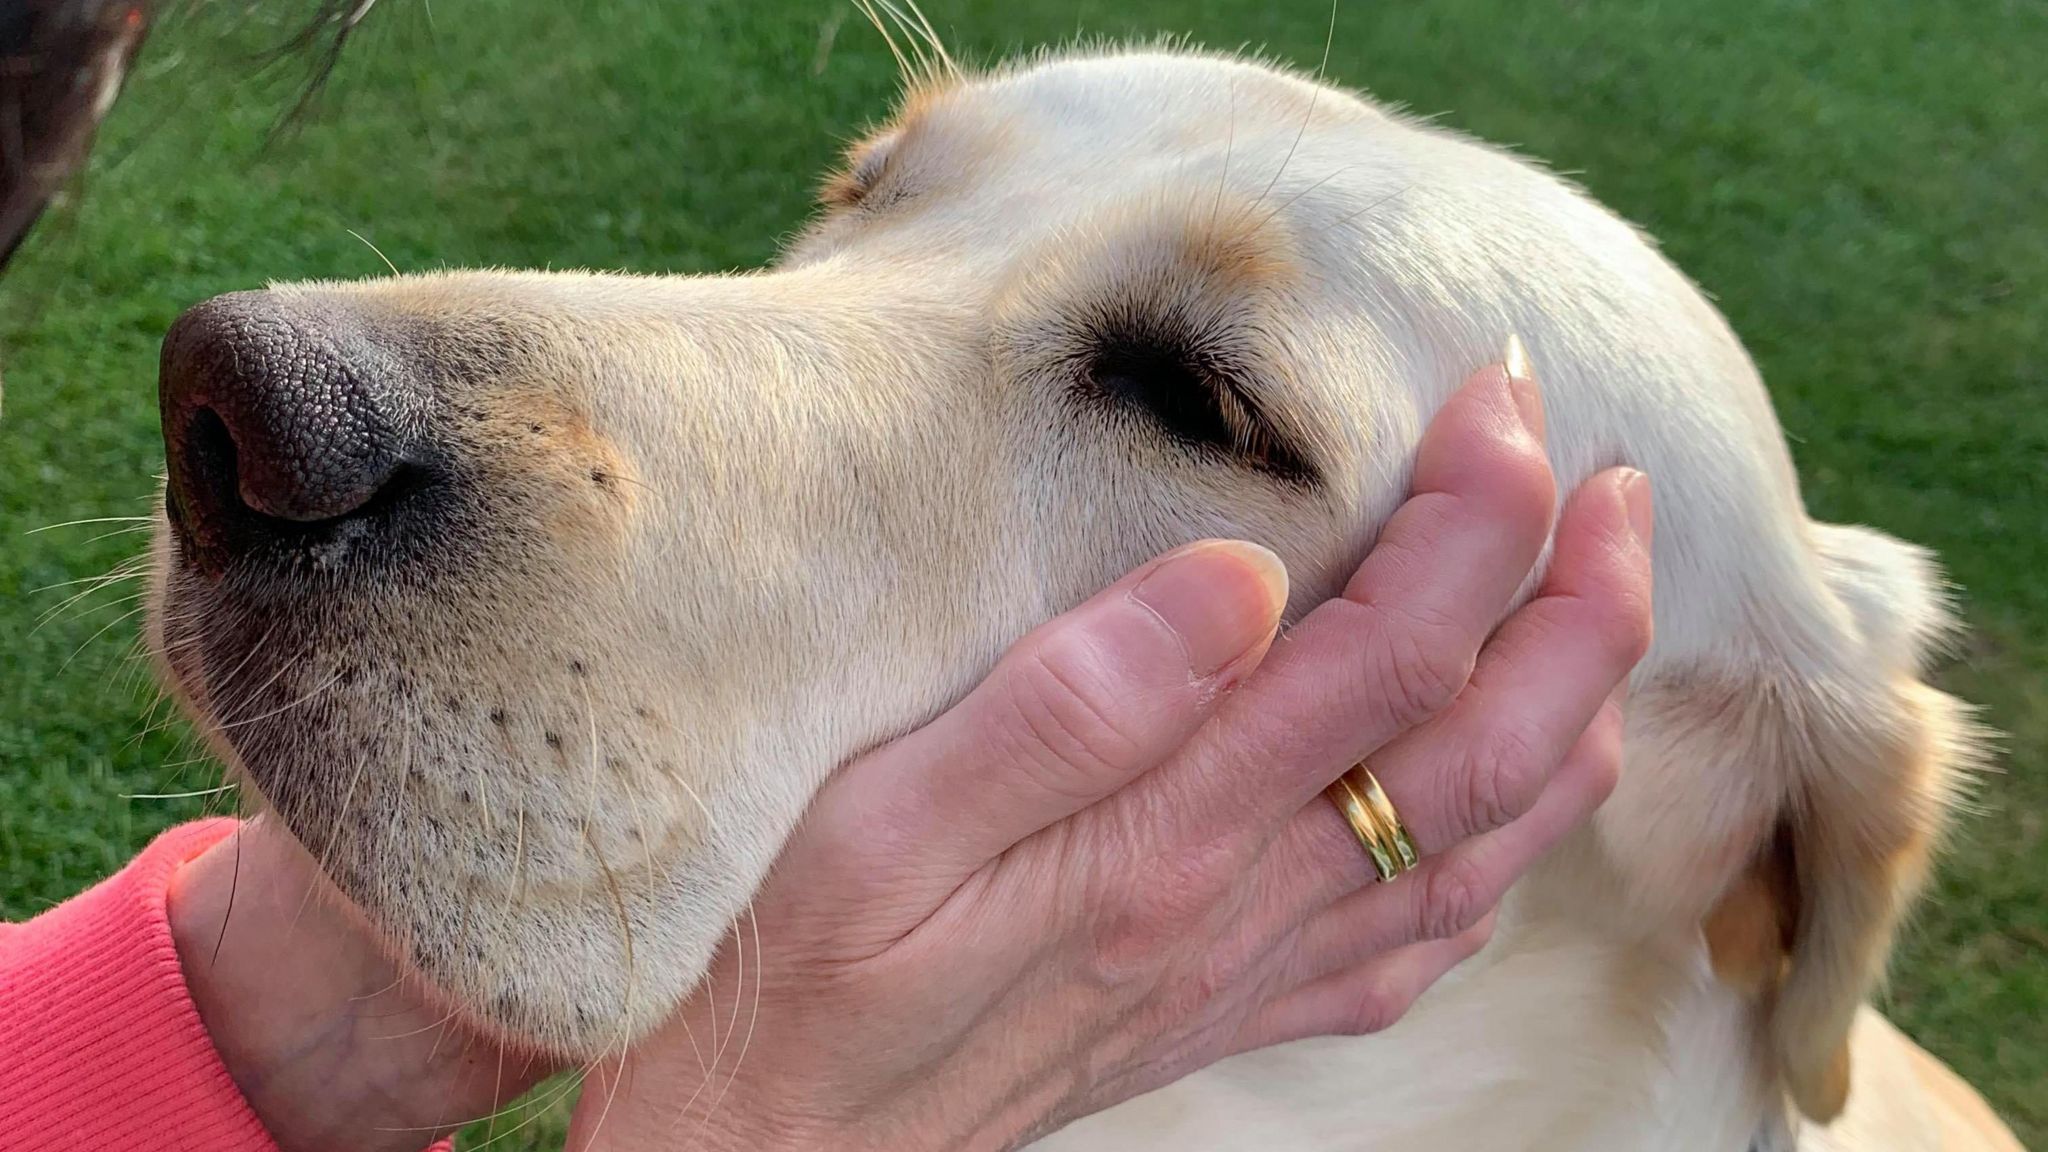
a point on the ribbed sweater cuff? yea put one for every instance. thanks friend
(100, 1045)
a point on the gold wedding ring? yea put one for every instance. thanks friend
(1371, 815)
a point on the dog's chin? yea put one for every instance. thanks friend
(514, 822)
(556, 979)
(534, 933)
(571, 953)
(532, 910)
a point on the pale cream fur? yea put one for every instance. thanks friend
(729, 531)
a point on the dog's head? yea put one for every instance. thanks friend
(537, 606)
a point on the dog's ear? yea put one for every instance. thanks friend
(1871, 761)
(1862, 832)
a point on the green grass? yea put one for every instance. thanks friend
(1858, 182)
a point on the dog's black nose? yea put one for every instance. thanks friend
(281, 414)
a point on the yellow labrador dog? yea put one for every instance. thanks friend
(539, 604)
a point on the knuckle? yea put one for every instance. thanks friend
(1619, 602)
(1525, 489)
(1421, 668)
(1611, 625)
(1428, 516)
(1453, 898)
(1606, 773)
(1605, 750)
(1475, 940)
(1502, 777)
(1507, 484)
(1065, 716)
(1374, 1007)
(1220, 978)
(1633, 627)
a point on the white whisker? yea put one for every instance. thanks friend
(91, 520)
(280, 710)
(181, 795)
(539, 1106)
(377, 250)
(753, 1018)
(903, 68)
(1315, 95)
(126, 570)
(117, 621)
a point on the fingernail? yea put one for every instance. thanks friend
(1522, 384)
(1221, 598)
(1642, 517)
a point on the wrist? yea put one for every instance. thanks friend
(330, 1042)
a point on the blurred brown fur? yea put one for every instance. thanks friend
(61, 66)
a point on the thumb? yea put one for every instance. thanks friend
(1071, 713)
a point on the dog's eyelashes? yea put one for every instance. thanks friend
(1193, 398)
(1161, 380)
(864, 168)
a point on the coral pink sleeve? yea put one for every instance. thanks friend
(100, 1045)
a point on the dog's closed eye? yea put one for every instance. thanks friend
(1157, 324)
(1192, 392)
(854, 183)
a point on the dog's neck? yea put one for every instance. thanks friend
(1564, 1033)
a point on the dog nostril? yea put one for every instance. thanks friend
(308, 478)
(282, 415)
(217, 483)
(205, 470)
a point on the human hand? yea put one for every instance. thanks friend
(1110, 864)
(332, 1044)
